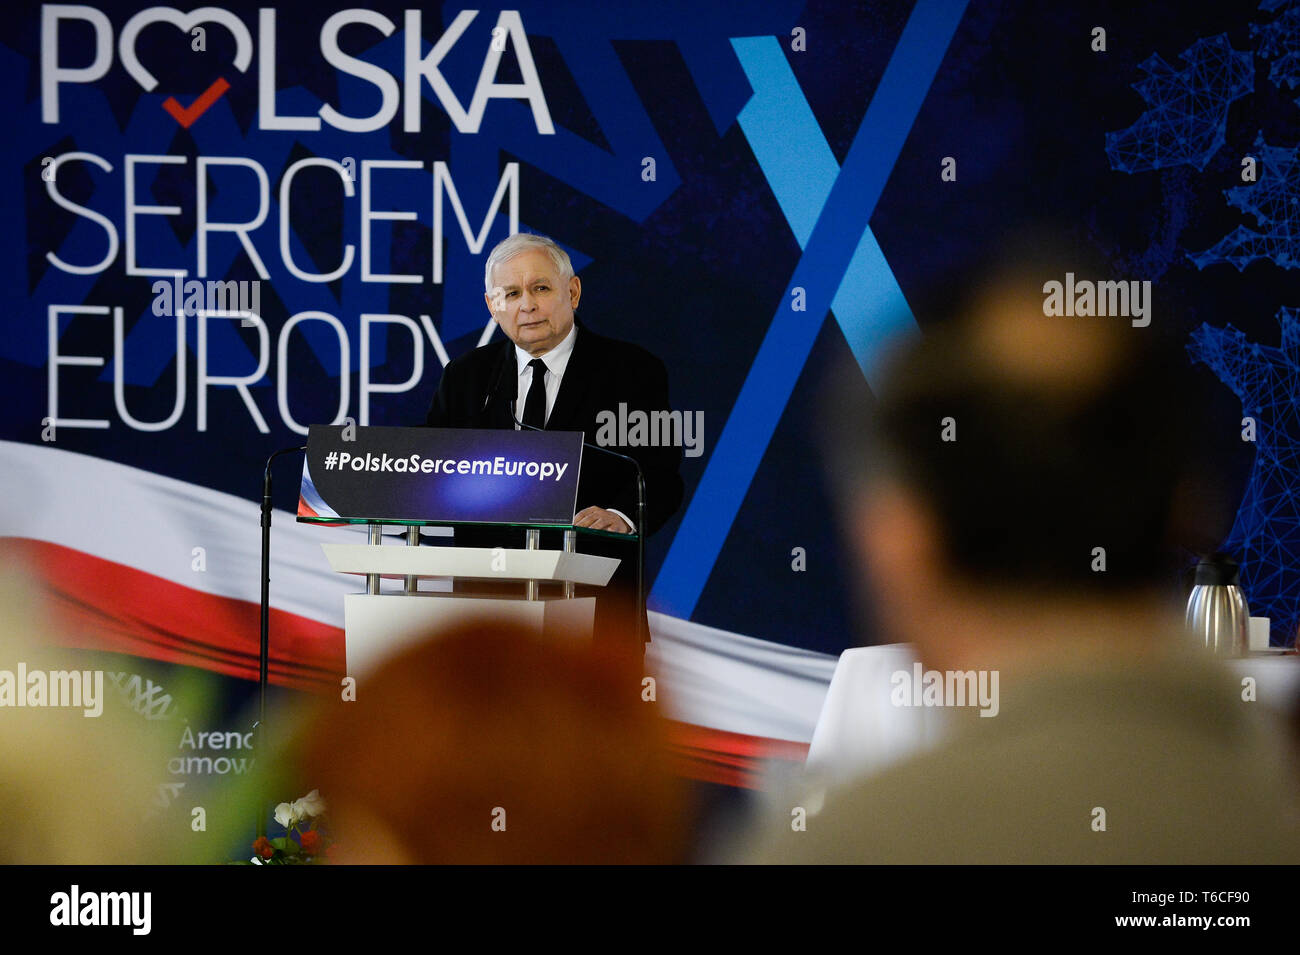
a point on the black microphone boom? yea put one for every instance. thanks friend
(264, 658)
(640, 519)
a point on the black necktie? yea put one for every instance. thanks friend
(535, 404)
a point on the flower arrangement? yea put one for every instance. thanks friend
(303, 843)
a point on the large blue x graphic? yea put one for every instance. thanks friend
(842, 267)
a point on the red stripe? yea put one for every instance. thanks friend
(101, 605)
(305, 510)
(731, 759)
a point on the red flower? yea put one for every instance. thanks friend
(310, 841)
(262, 846)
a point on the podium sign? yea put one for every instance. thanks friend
(408, 475)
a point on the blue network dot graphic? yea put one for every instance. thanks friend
(1185, 124)
(1188, 108)
(1279, 43)
(1274, 201)
(1265, 536)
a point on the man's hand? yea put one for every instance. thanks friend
(601, 520)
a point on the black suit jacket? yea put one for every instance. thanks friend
(476, 390)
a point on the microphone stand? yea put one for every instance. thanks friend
(264, 658)
(641, 622)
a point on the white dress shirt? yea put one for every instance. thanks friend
(556, 361)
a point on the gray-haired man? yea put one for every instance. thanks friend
(561, 376)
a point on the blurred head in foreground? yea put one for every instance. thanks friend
(485, 744)
(1020, 466)
(1019, 497)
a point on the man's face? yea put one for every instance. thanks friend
(530, 303)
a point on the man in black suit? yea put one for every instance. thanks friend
(561, 376)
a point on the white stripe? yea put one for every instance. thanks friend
(732, 682)
(153, 523)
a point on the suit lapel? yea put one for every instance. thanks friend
(578, 379)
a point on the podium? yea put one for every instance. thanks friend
(378, 622)
(411, 478)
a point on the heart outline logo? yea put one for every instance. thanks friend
(185, 22)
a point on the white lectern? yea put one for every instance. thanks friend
(466, 478)
(378, 623)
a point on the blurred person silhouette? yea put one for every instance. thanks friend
(79, 770)
(1006, 447)
(486, 744)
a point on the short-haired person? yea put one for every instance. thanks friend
(561, 375)
(486, 744)
(1015, 496)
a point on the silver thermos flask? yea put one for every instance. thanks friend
(1217, 614)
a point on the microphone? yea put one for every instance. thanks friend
(640, 519)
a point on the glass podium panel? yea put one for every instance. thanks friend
(584, 531)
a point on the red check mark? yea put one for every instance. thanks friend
(187, 115)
